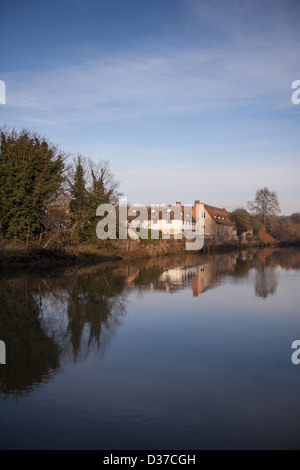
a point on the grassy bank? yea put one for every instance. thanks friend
(223, 247)
(18, 255)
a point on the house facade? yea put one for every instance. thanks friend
(169, 219)
(218, 225)
(178, 219)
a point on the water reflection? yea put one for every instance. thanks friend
(32, 355)
(47, 320)
(51, 319)
(206, 272)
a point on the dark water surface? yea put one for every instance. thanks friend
(181, 353)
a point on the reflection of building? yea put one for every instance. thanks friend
(202, 279)
(176, 278)
(204, 272)
(208, 273)
(201, 276)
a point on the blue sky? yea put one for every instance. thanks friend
(187, 99)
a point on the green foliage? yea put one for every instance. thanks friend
(79, 203)
(79, 199)
(30, 172)
(91, 184)
(32, 183)
(242, 220)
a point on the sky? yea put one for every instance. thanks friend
(187, 99)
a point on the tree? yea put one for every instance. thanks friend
(285, 229)
(296, 217)
(31, 170)
(91, 184)
(265, 204)
(242, 220)
(79, 199)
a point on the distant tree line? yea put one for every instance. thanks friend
(263, 217)
(46, 194)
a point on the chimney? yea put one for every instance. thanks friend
(194, 210)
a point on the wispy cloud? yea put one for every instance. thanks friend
(222, 70)
(170, 82)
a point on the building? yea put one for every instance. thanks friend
(167, 219)
(177, 219)
(218, 225)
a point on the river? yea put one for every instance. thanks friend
(190, 352)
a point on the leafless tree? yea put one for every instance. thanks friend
(265, 204)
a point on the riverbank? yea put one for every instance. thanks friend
(13, 257)
(18, 255)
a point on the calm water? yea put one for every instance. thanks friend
(182, 353)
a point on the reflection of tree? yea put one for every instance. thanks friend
(241, 267)
(286, 258)
(147, 275)
(45, 321)
(265, 281)
(51, 319)
(94, 302)
(31, 355)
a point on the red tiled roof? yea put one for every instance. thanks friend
(220, 216)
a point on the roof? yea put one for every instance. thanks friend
(220, 216)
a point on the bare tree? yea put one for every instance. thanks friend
(98, 178)
(90, 184)
(101, 182)
(265, 204)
